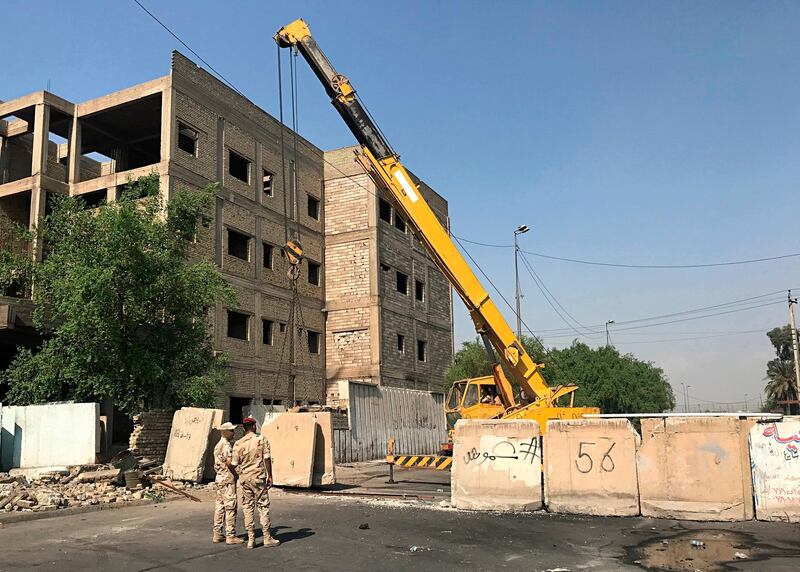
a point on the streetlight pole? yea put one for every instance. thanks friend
(688, 404)
(608, 337)
(521, 229)
(683, 395)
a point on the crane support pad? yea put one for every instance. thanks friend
(420, 462)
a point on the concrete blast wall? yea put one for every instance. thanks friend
(53, 435)
(776, 470)
(590, 467)
(695, 469)
(497, 465)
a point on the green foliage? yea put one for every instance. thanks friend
(780, 370)
(614, 382)
(471, 360)
(124, 311)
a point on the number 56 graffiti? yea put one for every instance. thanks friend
(584, 463)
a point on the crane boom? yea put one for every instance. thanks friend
(384, 165)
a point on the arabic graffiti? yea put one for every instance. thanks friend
(771, 430)
(506, 450)
(791, 452)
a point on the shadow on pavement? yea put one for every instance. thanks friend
(284, 535)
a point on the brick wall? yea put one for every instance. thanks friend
(150, 434)
(226, 122)
(365, 310)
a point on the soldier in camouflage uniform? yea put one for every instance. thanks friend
(225, 483)
(253, 461)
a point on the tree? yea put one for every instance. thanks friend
(780, 370)
(607, 379)
(123, 310)
(471, 360)
(614, 382)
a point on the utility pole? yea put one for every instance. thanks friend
(608, 337)
(521, 229)
(688, 405)
(792, 302)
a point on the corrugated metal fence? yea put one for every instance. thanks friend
(414, 418)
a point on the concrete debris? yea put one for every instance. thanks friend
(79, 485)
(740, 556)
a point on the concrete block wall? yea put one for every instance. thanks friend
(366, 313)
(226, 122)
(53, 435)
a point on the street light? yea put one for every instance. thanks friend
(521, 229)
(683, 395)
(608, 338)
(688, 404)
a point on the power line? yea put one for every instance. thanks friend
(701, 317)
(546, 291)
(499, 293)
(645, 266)
(185, 45)
(740, 302)
(689, 338)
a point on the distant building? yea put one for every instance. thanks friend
(192, 130)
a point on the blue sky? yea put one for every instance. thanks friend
(630, 132)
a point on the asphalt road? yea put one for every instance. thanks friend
(322, 533)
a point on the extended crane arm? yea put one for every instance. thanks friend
(384, 166)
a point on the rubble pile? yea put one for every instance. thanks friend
(78, 486)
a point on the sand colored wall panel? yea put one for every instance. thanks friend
(590, 467)
(695, 469)
(292, 437)
(497, 465)
(774, 450)
(188, 443)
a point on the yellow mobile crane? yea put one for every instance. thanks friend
(502, 346)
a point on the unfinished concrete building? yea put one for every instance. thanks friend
(192, 130)
(389, 307)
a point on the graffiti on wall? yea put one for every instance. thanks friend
(790, 452)
(775, 463)
(524, 450)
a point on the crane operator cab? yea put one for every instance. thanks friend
(475, 398)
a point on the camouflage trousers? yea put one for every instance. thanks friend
(255, 493)
(225, 508)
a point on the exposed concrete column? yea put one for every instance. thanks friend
(41, 128)
(2, 159)
(167, 124)
(74, 152)
(38, 200)
(168, 133)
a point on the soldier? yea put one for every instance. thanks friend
(252, 459)
(225, 483)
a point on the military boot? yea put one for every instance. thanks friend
(251, 539)
(233, 540)
(217, 537)
(269, 540)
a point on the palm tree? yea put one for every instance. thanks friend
(780, 374)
